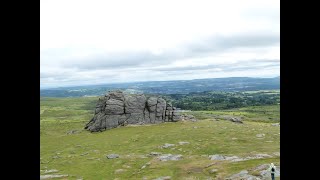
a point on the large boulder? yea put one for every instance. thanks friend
(119, 109)
(114, 106)
(134, 103)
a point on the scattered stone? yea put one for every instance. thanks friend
(50, 171)
(170, 157)
(73, 132)
(56, 157)
(260, 135)
(243, 175)
(144, 166)
(260, 156)
(230, 158)
(217, 157)
(51, 176)
(118, 171)
(236, 120)
(183, 143)
(234, 138)
(142, 156)
(186, 117)
(84, 154)
(155, 153)
(163, 178)
(276, 124)
(112, 156)
(257, 156)
(195, 127)
(213, 171)
(239, 159)
(276, 153)
(243, 172)
(166, 145)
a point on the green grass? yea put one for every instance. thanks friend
(84, 154)
(268, 114)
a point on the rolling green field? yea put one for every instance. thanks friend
(82, 155)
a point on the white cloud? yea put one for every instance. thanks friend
(94, 41)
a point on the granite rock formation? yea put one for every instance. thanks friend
(119, 109)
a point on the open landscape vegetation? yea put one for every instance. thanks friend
(213, 147)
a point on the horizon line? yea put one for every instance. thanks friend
(68, 86)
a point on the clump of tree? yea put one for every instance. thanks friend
(223, 100)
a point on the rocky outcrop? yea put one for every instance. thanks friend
(119, 109)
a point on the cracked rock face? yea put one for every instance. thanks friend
(119, 109)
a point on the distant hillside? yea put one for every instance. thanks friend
(170, 87)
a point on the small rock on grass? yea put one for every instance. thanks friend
(213, 171)
(73, 132)
(112, 156)
(276, 153)
(155, 153)
(43, 177)
(163, 178)
(83, 154)
(50, 171)
(216, 157)
(243, 175)
(170, 157)
(260, 135)
(183, 143)
(167, 145)
(118, 171)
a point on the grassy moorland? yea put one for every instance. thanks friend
(82, 155)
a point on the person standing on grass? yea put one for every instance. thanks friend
(272, 169)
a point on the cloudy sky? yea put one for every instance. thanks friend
(101, 41)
